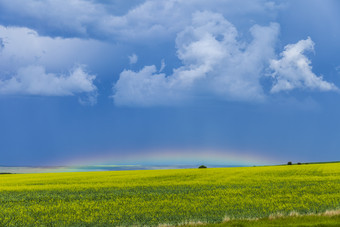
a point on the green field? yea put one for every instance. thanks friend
(173, 197)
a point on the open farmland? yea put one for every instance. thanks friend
(154, 197)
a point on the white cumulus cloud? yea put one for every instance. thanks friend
(33, 80)
(293, 70)
(162, 65)
(215, 62)
(26, 57)
(145, 87)
(133, 59)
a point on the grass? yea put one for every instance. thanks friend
(174, 197)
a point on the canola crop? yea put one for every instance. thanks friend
(155, 197)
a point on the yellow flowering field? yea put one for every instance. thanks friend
(173, 197)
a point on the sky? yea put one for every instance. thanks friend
(246, 82)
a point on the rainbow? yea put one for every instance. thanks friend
(175, 157)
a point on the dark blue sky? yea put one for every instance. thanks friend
(170, 82)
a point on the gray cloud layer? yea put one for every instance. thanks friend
(151, 19)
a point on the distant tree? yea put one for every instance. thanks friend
(299, 163)
(289, 163)
(202, 167)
